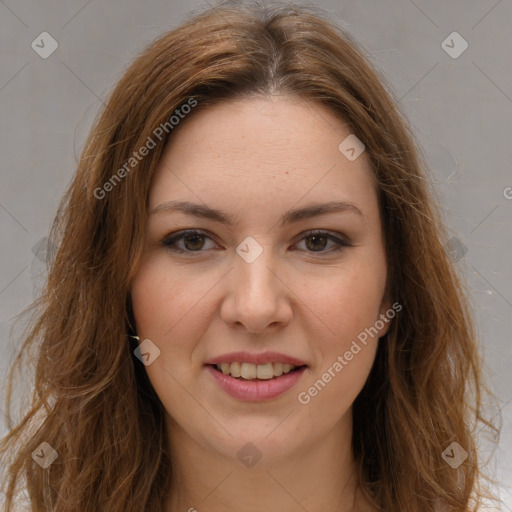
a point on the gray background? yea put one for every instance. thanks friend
(460, 109)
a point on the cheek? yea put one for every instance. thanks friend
(163, 300)
(171, 309)
(351, 302)
(350, 309)
(165, 305)
(345, 358)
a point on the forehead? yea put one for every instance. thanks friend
(264, 153)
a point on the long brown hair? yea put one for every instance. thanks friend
(92, 401)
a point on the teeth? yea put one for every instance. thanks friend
(250, 371)
(264, 371)
(234, 369)
(278, 369)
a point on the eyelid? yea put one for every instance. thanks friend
(340, 240)
(176, 235)
(332, 235)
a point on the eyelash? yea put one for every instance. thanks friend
(170, 241)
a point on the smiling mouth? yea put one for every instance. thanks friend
(250, 371)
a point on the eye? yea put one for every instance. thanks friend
(319, 239)
(193, 241)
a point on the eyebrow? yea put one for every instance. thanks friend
(296, 215)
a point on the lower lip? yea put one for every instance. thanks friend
(256, 390)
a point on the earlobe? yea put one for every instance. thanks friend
(386, 313)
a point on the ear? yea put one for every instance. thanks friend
(383, 321)
(387, 311)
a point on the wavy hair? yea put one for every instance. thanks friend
(92, 401)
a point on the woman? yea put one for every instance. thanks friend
(251, 305)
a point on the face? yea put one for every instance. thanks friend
(262, 280)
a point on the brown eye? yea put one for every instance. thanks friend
(192, 241)
(316, 241)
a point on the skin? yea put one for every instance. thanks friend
(255, 159)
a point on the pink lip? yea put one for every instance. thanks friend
(262, 358)
(256, 390)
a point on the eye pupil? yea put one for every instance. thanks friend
(316, 237)
(193, 236)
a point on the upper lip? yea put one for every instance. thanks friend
(260, 358)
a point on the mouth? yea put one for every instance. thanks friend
(256, 372)
(251, 382)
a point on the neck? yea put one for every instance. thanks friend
(321, 477)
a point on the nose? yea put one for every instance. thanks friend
(257, 295)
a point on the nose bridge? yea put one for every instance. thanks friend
(253, 275)
(255, 293)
